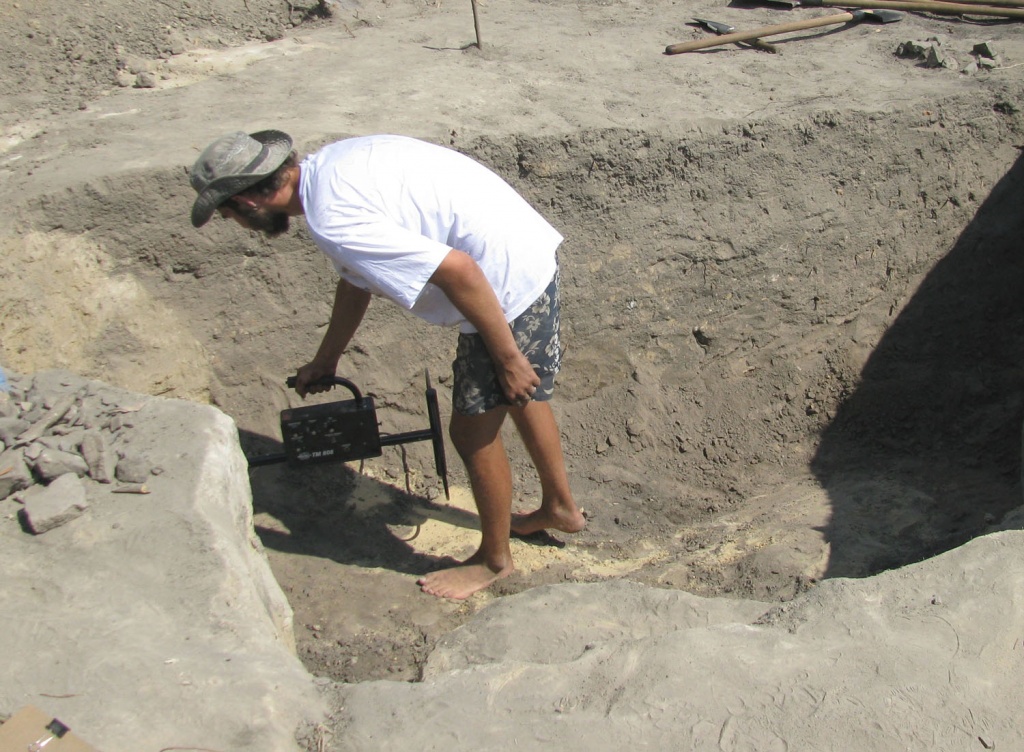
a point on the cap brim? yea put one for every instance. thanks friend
(279, 146)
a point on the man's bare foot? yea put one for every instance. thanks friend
(462, 581)
(542, 519)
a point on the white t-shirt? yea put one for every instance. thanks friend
(387, 210)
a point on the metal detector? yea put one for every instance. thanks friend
(348, 430)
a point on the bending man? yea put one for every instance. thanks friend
(448, 240)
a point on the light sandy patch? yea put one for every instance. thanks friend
(197, 64)
(65, 306)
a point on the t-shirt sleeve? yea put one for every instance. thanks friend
(389, 259)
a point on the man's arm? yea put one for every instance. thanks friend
(350, 303)
(467, 288)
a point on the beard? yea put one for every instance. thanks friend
(270, 223)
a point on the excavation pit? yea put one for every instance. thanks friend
(791, 317)
(789, 357)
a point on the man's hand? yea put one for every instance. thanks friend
(518, 379)
(306, 378)
(469, 291)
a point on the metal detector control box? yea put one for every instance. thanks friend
(348, 430)
(334, 432)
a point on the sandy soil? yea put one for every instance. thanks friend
(791, 280)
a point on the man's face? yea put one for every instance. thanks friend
(270, 223)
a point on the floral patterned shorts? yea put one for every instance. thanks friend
(476, 388)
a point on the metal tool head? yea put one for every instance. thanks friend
(715, 26)
(882, 16)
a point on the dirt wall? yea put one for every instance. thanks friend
(723, 295)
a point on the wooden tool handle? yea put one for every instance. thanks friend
(949, 9)
(764, 31)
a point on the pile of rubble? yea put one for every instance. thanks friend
(52, 446)
(933, 53)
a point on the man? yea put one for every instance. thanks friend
(447, 239)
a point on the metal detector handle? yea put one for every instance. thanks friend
(437, 436)
(331, 381)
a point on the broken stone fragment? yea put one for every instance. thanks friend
(65, 442)
(132, 469)
(15, 473)
(48, 507)
(914, 49)
(11, 428)
(49, 419)
(53, 463)
(99, 457)
(934, 57)
(984, 49)
(32, 451)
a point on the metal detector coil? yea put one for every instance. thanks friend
(348, 430)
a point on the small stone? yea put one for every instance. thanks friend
(984, 49)
(15, 474)
(98, 456)
(145, 80)
(913, 49)
(55, 505)
(935, 57)
(10, 428)
(132, 470)
(53, 463)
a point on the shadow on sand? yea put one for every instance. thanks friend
(924, 453)
(333, 512)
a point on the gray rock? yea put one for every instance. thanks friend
(65, 442)
(935, 58)
(16, 473)
(984, 49)
(913, 49)
(132, 469)
(53, 463)
(10, 428)
(99, 457)
(56, 504)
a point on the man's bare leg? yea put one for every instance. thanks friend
(558, 511)
(478, 441)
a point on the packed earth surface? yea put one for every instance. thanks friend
(791, 281)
